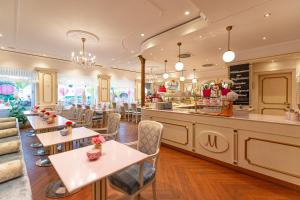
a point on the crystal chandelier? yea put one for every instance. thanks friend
(84, 58)
(152, 77)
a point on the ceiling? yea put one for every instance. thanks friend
(39, 27)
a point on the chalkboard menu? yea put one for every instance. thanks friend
(239, 74)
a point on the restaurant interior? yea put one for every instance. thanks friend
(149, 99)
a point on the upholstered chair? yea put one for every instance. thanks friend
(87, 119)
(134, 179)
(112, 129)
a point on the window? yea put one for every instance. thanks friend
(13, 89)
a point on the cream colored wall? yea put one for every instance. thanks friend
(15, 60)
(289, 65)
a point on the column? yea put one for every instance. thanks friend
(143, 61)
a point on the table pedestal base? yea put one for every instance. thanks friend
(40, 152)
(43, 162)
(56, 189)
(36, 145)
(99, 190)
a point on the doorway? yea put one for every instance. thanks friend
(275, 93)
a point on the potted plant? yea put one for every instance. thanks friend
(16, 110)
(206, 88)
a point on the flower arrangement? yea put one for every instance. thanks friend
(69, 123)
(232, 96)
(206, 87)
(54, 115)
(43, 110)
(226, 86)
(97, 141)
(47, 113)
(69, 126)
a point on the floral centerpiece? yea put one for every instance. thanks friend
(227, 103)
(51, 119)
(97, 141)
(36, 108)
(206, 87)
(226, 86)
(69, 125)
(96, 152)
(42, 113)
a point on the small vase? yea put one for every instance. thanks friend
(99, 147)
(69, 128)
(227, 108)
(225, 91)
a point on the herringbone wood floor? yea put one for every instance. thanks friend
(180, 177)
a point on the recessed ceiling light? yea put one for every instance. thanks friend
(220, 48)
(267, 14)
(2, 47)
(142, 34)
(200, 36)
(1, 35)
(272, 60)
(44, 54)
(187, 12)
(150, 54)
(264, 38)
(131, 51)
(161, 49)
(113, 59)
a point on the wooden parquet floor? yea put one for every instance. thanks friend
(180, 177)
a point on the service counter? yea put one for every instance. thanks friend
(265, 144)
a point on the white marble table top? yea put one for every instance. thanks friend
(29, 113)
(76, 171)
(52, 138)
(38, 123)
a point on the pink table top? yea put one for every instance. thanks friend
(38, 123)
(52, 138)
(76, 171)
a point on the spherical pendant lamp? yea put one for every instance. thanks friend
(179, 65)
(165, 75)
(229, 55)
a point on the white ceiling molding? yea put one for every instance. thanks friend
(175, 32)
(159, 9)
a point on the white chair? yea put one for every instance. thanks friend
(128, 112)
(134, 179)
(112, 129)
(136, 113)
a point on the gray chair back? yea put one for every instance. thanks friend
(88, 117)
(126, 108)
(149, 136)
(113, 122)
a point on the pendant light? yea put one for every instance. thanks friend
(229, 55)
(179, 65)
(181, 78)
(194, 79)
(165, 75)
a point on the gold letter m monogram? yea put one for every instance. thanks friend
(212, 143)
